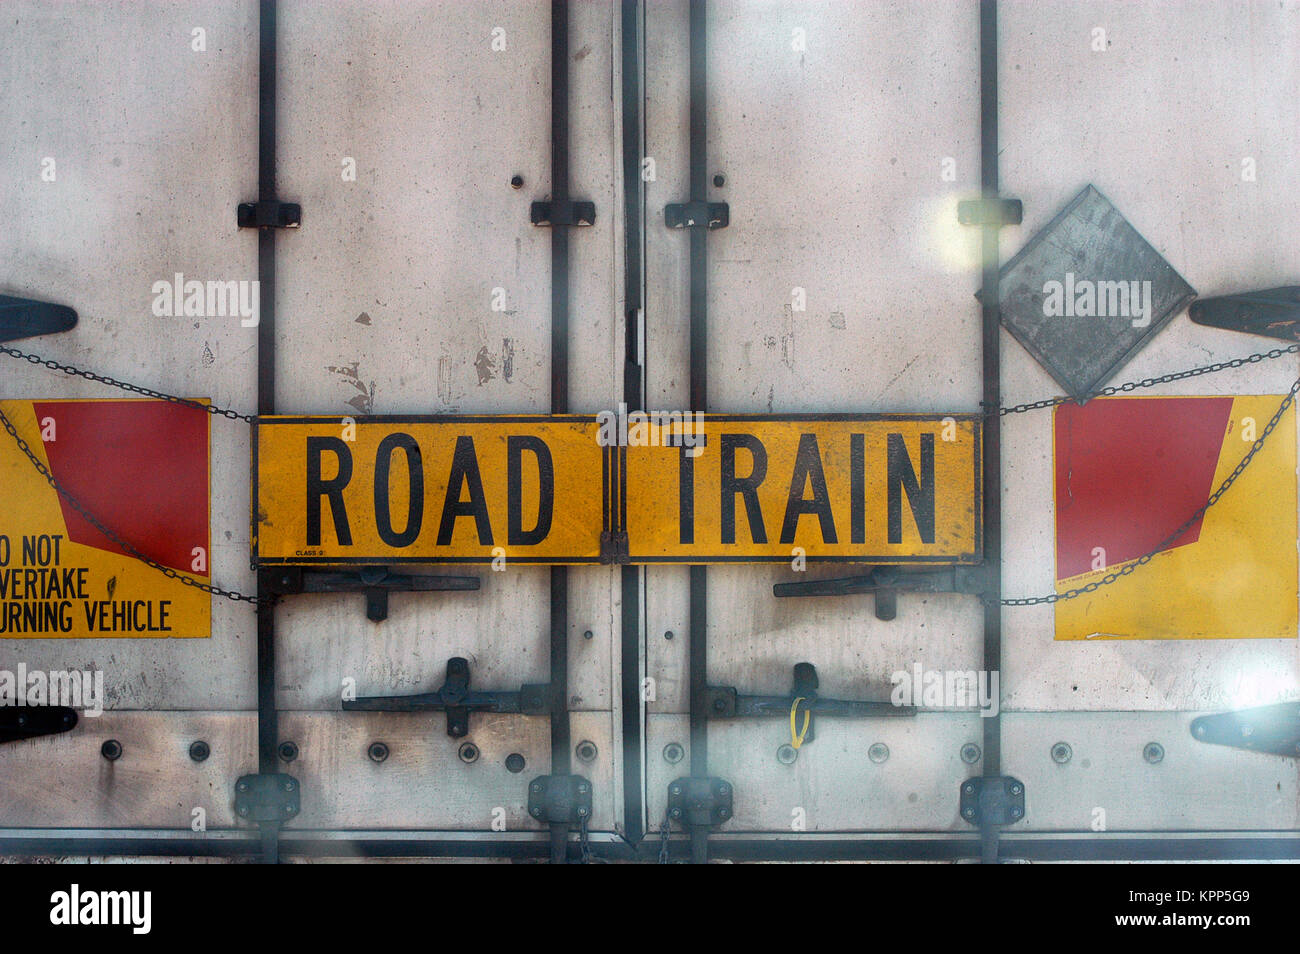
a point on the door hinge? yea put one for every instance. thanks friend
(613, 547)
(26, 318)
(990, 211)
(992, 800)
(1274, 312)
(1273, 729)
(29, 722)
(560, 799)
(457, 699)
(269, 214)
(563, 212)
(267, 798)
(700, 802)
(375, 581)
(697, 215)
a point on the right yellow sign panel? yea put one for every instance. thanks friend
(849, 488)
(1129, 472)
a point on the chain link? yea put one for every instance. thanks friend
(111, 535)
(1150, 382)
(665, 836)
(584, 841)
(1186, 525)
(1002, 412)
(126, 386)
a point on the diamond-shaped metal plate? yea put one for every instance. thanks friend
(1087, 251)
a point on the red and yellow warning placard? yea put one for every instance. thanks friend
(140, 467)
(1129, 471)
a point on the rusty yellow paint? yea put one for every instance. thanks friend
(330, 490)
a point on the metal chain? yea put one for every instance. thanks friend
(1186, 525)
(116, 538)
(584, 841)
(1002, 412)
(665, 834)
(126, 386)
(1150, 382)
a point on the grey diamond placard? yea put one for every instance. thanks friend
(1087, 292)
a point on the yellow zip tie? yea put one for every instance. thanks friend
(796, 738)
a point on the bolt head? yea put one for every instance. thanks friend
(582, 811)
(674, 790)
(968, 812)
(724, 788)
(1017, 788)
(535, 788)
(243, 810)
(724, 813)
(241, 787)
(1016, 813)
(583, 788)
(676, 813)
(289, 785)
(969, 788)
(535, 812)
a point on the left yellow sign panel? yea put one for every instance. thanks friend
(463, 489)
(138, 468)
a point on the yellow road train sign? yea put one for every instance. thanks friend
(830, 488)
(655, 488)
(464, 489)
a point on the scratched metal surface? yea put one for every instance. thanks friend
(1218, 83)
(147, 178)
(384, 306)
(832, 164)
(833, 160)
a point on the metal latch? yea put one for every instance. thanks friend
(269, 214)
(30, 722)
(799, 706)
(27, 318)
(886, 581)
(557, 212)
(458, 700)
(1274, 312)
(992, 800)
(375, 581)
(267, 798)
(1273, 729)
(560, 799)
(697, 214)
